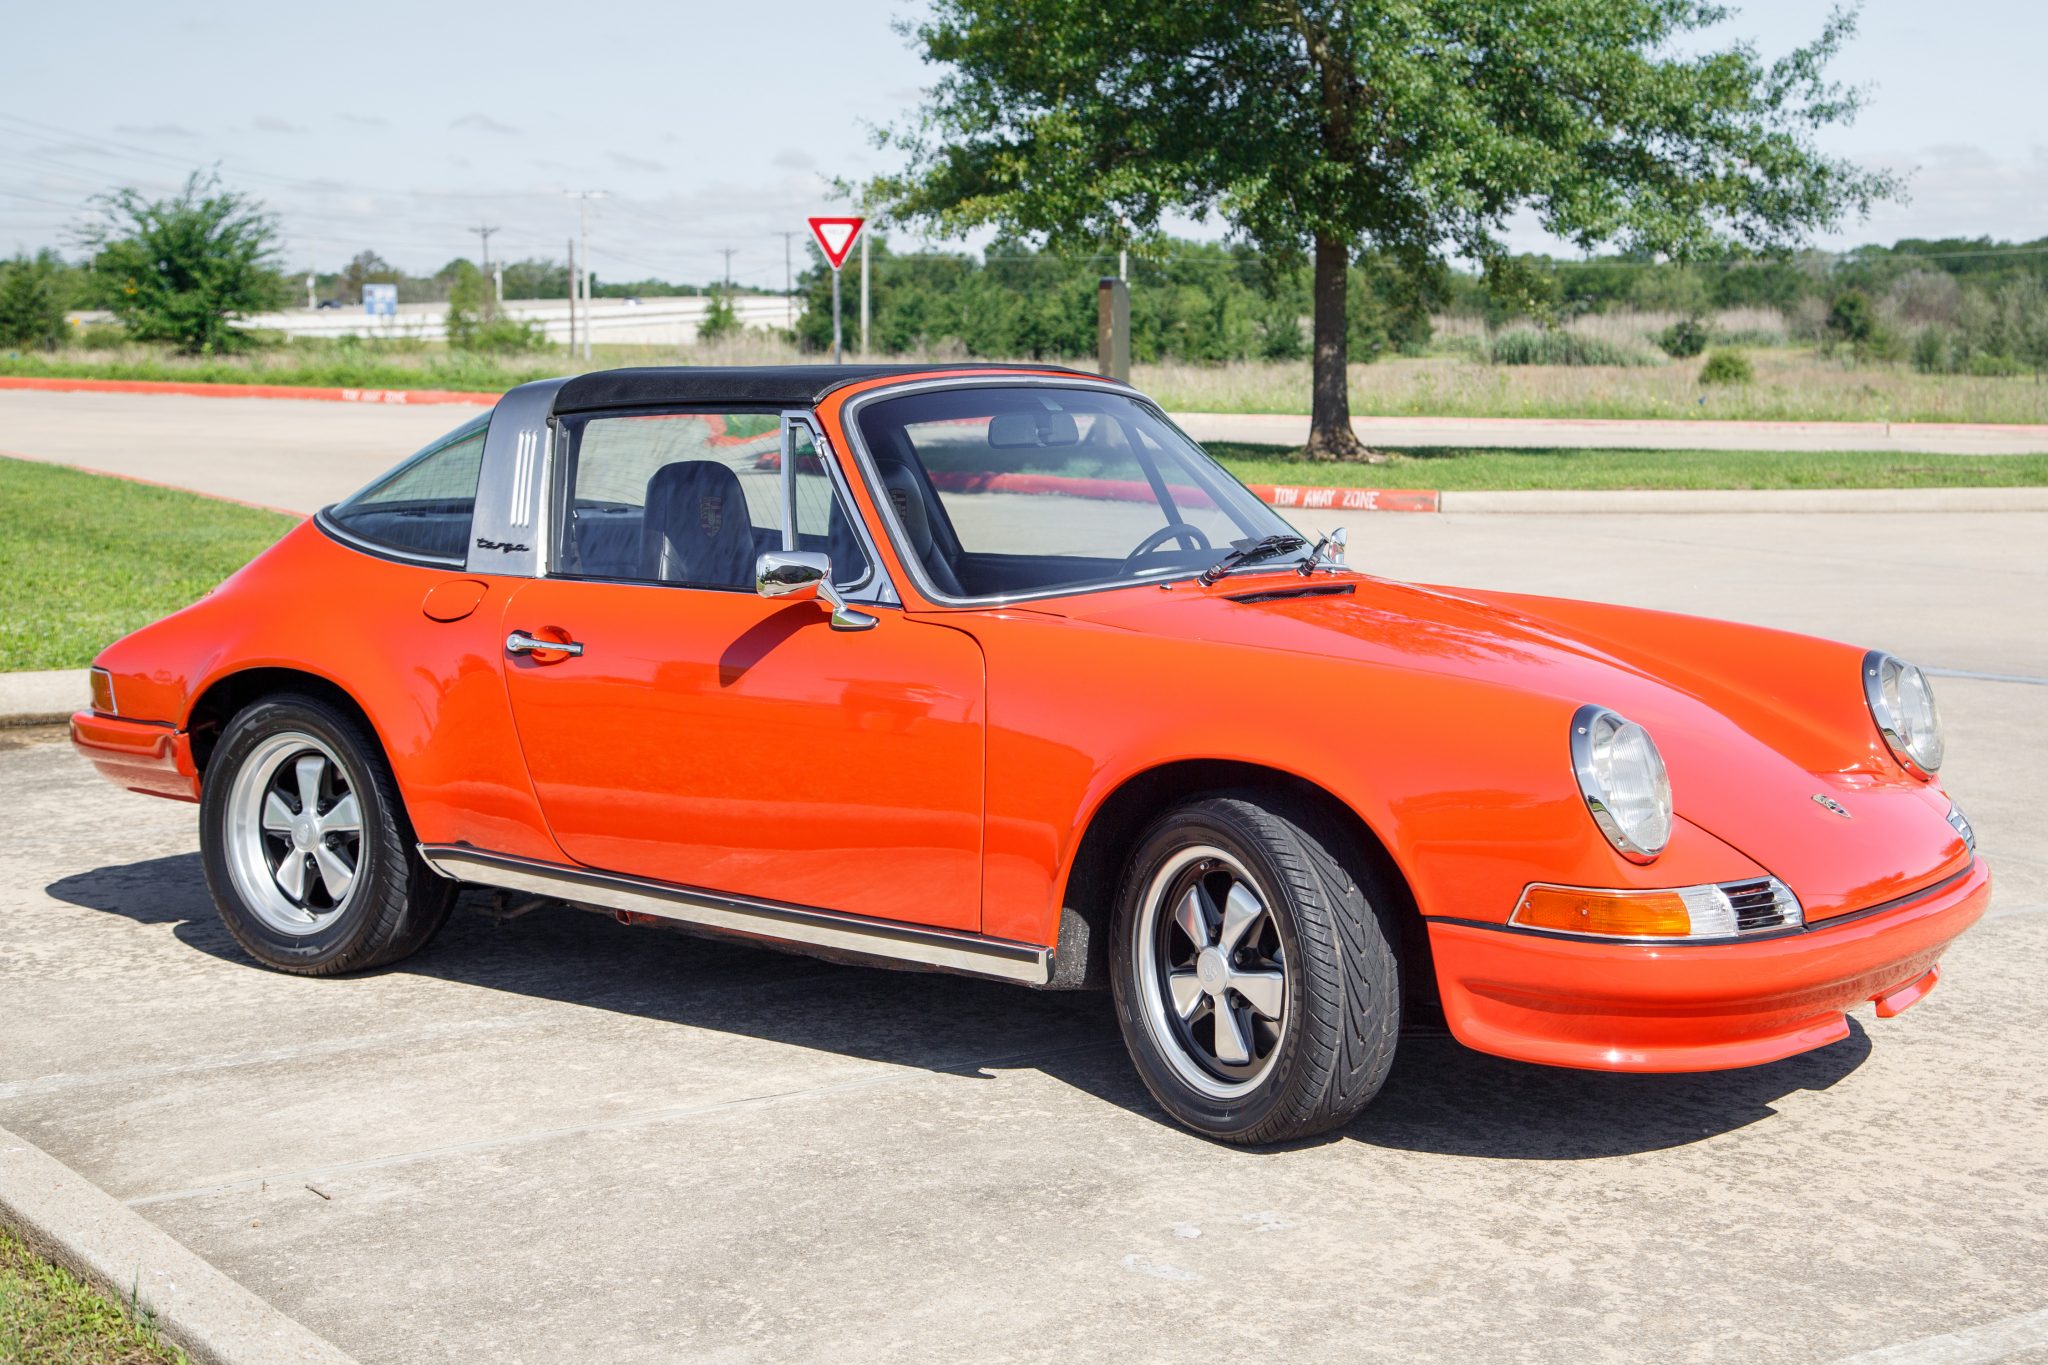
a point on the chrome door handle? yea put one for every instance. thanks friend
(519, 642)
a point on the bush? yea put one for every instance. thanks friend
(184, 269)
(102, 336)
(1931, 351)
(31, 305)
(1727, 367)
(1550, 346)
(719, 319)
(1685, 338)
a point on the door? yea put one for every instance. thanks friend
(709, 737)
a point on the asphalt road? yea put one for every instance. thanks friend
(560, 1139)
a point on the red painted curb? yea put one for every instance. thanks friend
(409, 397)
(1350, 499)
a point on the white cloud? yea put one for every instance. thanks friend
(636, 163)
(484, 123)
(271, 123)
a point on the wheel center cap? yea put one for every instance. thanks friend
(1212, 970)
(303, 835)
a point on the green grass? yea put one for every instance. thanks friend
(84, 559)
(335, 370)
(48, 1316)
(1496, 469)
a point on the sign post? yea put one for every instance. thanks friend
(836, 237)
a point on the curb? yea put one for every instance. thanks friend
(67, 1219)
(407, 397)
(47, 697)
(1665, 501)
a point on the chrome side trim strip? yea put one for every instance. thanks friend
(804, 929)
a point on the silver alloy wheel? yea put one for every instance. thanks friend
(294, 834)
(1212, 975)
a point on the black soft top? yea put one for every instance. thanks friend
(790, 386)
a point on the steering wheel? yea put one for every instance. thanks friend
(1182, 531)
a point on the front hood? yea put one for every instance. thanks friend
(1754, 724)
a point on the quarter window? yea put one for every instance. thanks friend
(424, 506)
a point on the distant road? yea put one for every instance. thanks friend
(302, 456)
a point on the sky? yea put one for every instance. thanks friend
(401, 127)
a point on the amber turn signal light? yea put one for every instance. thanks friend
(1754, 906)
(1627, 914)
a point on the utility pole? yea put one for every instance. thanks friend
(572, 296)
(311, 302)
(727, 251)
(583, 198)
(485, 232)
(788, 284)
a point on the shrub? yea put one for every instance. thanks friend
(1550, 346)
(102, 336)
(183, 269)
(31, 306)
(1685, 338)
(719, 319)
(1727, 367)
(1931, 351)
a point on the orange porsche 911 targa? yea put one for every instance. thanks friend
(992, 670)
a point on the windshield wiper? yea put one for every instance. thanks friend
(1265, 548)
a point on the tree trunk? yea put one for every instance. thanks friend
(1330, 436)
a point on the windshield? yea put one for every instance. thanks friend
(1001, 491)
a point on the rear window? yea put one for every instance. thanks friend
(423, 507)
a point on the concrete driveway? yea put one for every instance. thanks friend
(302, 455)
(560, 1139)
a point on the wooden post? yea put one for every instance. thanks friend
(1113, 329)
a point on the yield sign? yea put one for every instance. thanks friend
(836, 237)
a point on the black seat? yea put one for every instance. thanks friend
(697, 528)
(907, 491)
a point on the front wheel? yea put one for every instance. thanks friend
(1254, 970)
(308, 853)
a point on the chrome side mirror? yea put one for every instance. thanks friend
(805, 576)
(792, 574)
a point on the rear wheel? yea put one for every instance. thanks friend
(308, 853)
(1254, 971)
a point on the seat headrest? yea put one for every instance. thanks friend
(901, 484)
(697, 527)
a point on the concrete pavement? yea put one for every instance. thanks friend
(560, 1139)
(303, 455)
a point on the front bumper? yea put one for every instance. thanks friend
(1694, 1007)
(153, 759)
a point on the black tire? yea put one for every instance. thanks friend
(1333, 939)
(395, 903)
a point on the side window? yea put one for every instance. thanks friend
(823, 522)
(422, 507)
(690, 498)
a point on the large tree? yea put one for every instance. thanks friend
(184, 269)
(1320, 128)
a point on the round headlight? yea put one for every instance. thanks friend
(1902, 703)
(1623, 778)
